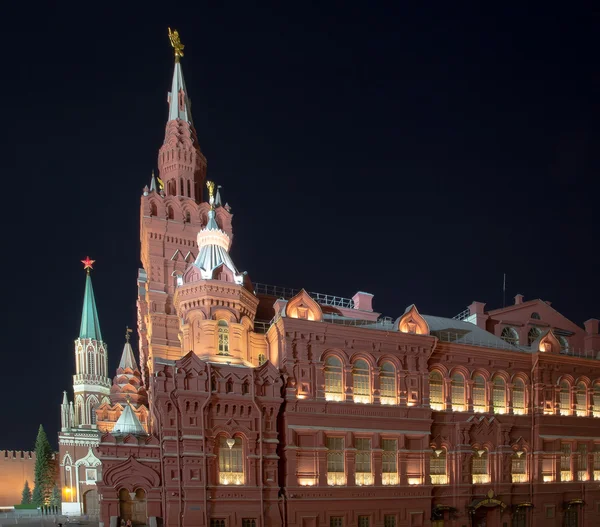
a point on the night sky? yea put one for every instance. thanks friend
(416, 152)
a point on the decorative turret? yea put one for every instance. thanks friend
(127, 384)
(128, 423)
(181, 164)
(65, 414)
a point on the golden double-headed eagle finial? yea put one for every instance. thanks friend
(210, 185)
(176, 44)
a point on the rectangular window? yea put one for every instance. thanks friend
(389, 462)
(518, 400)
(364, 521)
(388, 389)
(90, 474)
(565, 462)
(217, 522)
(582, 463)
(389, 520)
(336, 474)
(336, 521)
(437, 468)
(436, 398)
(480, 467)
(248, 522)
(519, 468)
(363, 475)
(596, 462)
(231, 461)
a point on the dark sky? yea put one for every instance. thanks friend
(415, 152)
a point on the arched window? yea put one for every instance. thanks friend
(223, 337)
(387, 382)
(533, 335)
(479, 467)
(518, 467)
(596, 401)
(479, 402)
(510, 336)
(518, 397)
(336, 473)
(360, 382)
(581, 400)
(93, 403)
(436, 391)
(564, 344)
(536, 316)
(333, 379)
(181, 187)
(499, 396)
(565, 398)
(231, 465)
(261, 359)
(188, 217)
(437, 467)
(458, 392)
(153, 209)
(170, 213)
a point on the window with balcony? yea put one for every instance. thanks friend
(389, 462)
(387, 383)
(457, 387)
(533, 335)
(581, 400)
(479, 467)
(333, 379)
(336, 474)
(582, 462)
(479, 394)
(499, 395)
(437, 467)
(363, 474)
(436, 391)
(223, 337)
(361, 382)
(565, 398)
(596, 400)
(231, 464)
(518, 397)
(510, 336)
(519, 467)
(565, 462)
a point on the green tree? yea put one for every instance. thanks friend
(55, 498)
(26, 495)
(44, 469)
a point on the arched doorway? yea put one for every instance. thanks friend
(91, 503)
(132, 506)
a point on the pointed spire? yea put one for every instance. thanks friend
(179, 103)
(90, 326)
(153, 183)
(127, 357)
(65, 400)
(218, 197)
(128, 423)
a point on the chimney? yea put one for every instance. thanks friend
(518, 299)
(363, 301)
(591, 342)
(477, 314)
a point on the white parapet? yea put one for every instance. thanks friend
(71, 508)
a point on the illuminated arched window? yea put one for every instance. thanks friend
(479, 402)
(458, 392)
(387, 382)
(499, 396)
(510, 336)
(581, 400)
(518, 467)
(437, 467)
(596, 400)
(361, 382)
(518, 397)
(479, 467)
(333, 379)
(565, 398)
(436, 391)
(231, 464)
(533, 335)
(223, 336)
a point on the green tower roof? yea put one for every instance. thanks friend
(90, 326)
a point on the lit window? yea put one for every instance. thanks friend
(333, 379)
(565, 398)
(596, 462)
(499, 396)
(436, 391)
(479, 394)
(479, 469)
(363, 474)
(223, 333)
(437, 467)
(533, 335)
(389, 462)
(231, 465)
(518, 398)
(582, 462)
(519, 467)
(565, 462)
(510, 336)
(336, 474)
(458, 393)
(261, 359)
(581, 400)
(360, 381)
(596, 401)
(387, 381)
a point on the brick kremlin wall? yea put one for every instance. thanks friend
(16, 466)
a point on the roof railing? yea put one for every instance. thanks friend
(463, 315)
(287, 293)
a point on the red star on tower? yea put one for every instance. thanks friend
(87, 264)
